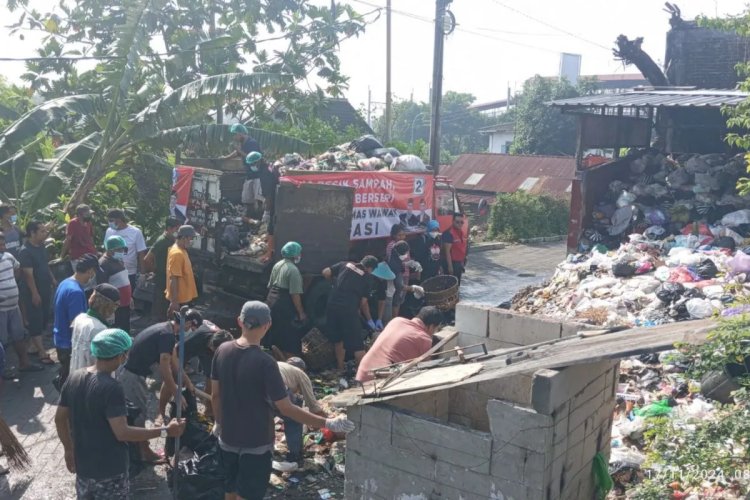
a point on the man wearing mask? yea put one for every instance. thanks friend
(285, 300)
(70, 301)
(91, 422)
(247, 389)
(152, 355)
(9, 227)
(36, 286)
(181, 289)
(430, 255)
(79, 235)
(156, 262)
(102, 305)
(455, 247)
(134, 241)
(401, 259)
(345, 303)
(113, 272)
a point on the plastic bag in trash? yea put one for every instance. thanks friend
(706, 269)
(670, 292)
(725, 242)
(201, 477)
(655, 216)
(408, 163)
(623, 270)
(699, 308)
(625, 199)
(679, 177)
(621, 219)
(734, 219)
(740, 263)
(365, 144)
(632, 429)
(654, 232)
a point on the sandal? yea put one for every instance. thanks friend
(46, 360)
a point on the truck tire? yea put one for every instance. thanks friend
(316, 301)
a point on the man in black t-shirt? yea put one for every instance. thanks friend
(347, 299)
(153, 353)
(247, 388)
(92, 425)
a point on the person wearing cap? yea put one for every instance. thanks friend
(381, 291)
(345, 303)
(181, 289)
(11, 321)
(153, 354)
(70, 301)
(399, 260)
(9, 227)
(91, 422)
(427, 250)
(246, 389)
(156, 262)
(79, 235)
(243, 143)
(102, 305)
(113, 271)
(285, 300)
(134, 242)
(299, 389)
(36, 286)
(402, 340)
(252, 194)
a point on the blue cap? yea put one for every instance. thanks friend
(433, 225)
(383, 272)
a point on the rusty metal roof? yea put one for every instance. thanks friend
(498, 173)
(647, 98)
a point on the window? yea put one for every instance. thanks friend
(473, 179)
(528, 183)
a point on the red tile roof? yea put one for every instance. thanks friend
(507, 173)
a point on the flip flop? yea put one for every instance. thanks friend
(32, 368)
(46, 361)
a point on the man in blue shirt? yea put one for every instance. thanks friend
(70, 301)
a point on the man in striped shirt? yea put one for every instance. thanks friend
(11, 322)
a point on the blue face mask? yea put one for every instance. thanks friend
(112, 226)
(118, 256)
(13, 219)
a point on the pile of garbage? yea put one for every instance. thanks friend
(364, 154)
(669, 245)
(653, 386)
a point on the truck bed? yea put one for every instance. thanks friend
(244, 263)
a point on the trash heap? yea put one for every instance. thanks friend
(651, 387)
(364, 154)
(669, 243)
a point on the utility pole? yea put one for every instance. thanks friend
(387, 133)
(441, 30)
(369, 107)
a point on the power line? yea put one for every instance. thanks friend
(545, 23)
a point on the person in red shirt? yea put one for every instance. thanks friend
(455, 247)
(402, 340)
(79, 235)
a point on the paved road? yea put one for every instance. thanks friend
(495, 276)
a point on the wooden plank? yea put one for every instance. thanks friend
(432, 378)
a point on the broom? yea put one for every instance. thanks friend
(18, 459)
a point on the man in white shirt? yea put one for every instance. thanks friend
(118, 226)
(102, 305)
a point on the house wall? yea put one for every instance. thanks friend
(531, 436)
(498, 142)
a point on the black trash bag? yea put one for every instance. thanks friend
(196, 436)
(693, 293)
(200, 478)
(706, 269)
(725, 242)
(365, 144)
(670, 292)
(623, 270)
(230, 238)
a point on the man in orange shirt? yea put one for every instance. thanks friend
(181, 288)
(402, 340)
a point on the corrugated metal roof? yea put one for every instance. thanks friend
(658, 98)
(506, 173)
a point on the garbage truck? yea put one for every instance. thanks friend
(334, 215)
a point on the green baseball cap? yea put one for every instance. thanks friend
(110, 343)
(115, 243)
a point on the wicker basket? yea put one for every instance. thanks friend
(317, 351)
(441, 292)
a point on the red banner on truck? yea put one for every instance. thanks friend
(381, 199)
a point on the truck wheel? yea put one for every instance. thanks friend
(316, 301)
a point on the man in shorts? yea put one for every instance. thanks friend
(347, 299)
(11, 322)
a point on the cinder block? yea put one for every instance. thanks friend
(516, 389)
(468, 402)
(560, 430)
(484, 486)
(595, 388)
(544, 387)
(520, 426)
(580, 414)
(554, 479)
(433, 404)
(377, 415)
(521, 328)
(511, 463)
(574, 457)
(472, 319)
(448, 345)
(564, 384)
(465, 339)
(571, 328)
(367, 479)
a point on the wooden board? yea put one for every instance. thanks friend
(431, 378)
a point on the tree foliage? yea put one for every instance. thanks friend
(541, 129)
(521, 215)
(459, 129)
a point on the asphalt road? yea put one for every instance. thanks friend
(494, 276)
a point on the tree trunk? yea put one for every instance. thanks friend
(630, 52)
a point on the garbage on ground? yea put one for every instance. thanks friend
(664, 243)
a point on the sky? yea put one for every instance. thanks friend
(497, 43)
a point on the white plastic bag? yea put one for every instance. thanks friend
(734, 219)
(408, 163)
(699, 308)
(740, 263)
